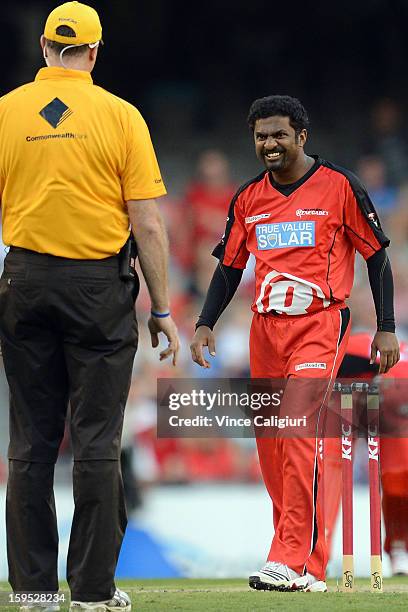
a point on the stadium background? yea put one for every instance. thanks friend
(193, 70)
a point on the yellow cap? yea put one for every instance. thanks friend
(83, 20)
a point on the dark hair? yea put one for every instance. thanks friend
(283, 106)
(57, 47)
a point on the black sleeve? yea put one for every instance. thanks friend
(223, 286)
(382, 287)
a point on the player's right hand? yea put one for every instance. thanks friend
(386, 343)
(204, 336)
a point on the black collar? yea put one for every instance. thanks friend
(288, 189)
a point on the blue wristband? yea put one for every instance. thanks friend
(160, 315)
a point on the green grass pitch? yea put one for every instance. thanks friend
(205, 595)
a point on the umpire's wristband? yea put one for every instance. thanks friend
(160, 315)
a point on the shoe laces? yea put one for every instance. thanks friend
(272, 565)
(120, 599)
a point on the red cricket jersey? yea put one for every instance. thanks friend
(303, 236)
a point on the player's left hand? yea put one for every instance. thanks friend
(388, 346)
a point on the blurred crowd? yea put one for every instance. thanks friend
(195, 218)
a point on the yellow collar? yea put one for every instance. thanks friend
(57, 73)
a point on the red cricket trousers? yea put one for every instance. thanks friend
(305, 349)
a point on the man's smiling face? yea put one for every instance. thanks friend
(277, 145)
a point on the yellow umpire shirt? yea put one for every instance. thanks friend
(71, 155)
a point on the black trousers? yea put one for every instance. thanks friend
(69, 334)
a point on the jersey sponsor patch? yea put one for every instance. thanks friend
(312, 211)
(373, 218)
(288, 234)
(257, 218)
(310, 366)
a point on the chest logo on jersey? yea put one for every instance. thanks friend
(288, 234)
(55, 112)
(312, 211)
(257, 218)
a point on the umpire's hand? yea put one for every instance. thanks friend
(169, 329)
(204, 336)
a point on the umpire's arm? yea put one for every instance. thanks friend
(152, 244)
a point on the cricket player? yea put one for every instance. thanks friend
(393, 450)
(303, 218)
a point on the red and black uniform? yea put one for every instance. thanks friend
(304, 237)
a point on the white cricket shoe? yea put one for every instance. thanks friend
(120, 602)
(277, 577)
(399, 559)
(314, 585)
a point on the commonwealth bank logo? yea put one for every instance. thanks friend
(56, 112)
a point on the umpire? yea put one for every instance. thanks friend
(77, 169)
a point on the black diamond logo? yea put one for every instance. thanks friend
(56, 112)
